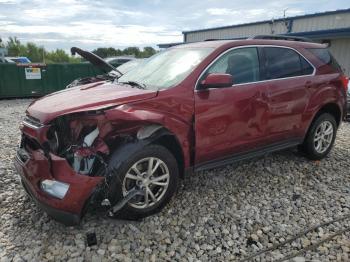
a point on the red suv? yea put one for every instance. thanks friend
(123, 146)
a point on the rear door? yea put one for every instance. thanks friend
(231, 119)
(289, 76)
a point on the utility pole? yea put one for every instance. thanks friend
(288, 24)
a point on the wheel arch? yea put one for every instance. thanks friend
(158, 134)
(152, 134)
(331, 108)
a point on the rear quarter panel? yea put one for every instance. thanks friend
(326, 89)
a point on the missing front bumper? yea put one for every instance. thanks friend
(35, 168)
(66, 218)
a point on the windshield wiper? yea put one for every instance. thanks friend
(134, 83)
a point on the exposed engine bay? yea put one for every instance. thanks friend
(78, 141)
(89, 80)
(87, 139)
(110, 72)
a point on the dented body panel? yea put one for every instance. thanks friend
(39, 167)
(83, 98)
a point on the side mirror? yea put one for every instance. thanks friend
(216, 80)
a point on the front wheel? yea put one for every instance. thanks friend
(320, 138)
(153, 170)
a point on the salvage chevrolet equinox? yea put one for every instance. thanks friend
(122, 146)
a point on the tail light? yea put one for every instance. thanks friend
(345, 82)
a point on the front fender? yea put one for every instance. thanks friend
(139, 117)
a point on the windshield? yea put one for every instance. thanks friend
(167, 68)
(129, 65)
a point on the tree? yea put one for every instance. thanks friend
(37, 54)
(135, 51)
(34, 53)
(57, 56)
(148, 51)
(2, 45)
(107, 52)
(14, 47)
(132, 51)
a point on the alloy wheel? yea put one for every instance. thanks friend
(151, 175)
(323, 137)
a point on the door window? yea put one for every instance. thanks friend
(242, 64)
(285, 62)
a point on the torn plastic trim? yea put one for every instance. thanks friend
(132, 193)
(129, 148)
(123, 153)
(147, 131)
(78, 157)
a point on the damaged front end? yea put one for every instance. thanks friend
(64, 164)
(78, 139)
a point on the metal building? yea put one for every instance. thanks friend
(329, 27)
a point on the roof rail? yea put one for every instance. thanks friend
(282, 37)
(223, 39)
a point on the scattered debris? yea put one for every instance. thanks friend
(91, 239)
(296, 197)
(242, 205)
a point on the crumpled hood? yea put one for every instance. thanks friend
(83, 98)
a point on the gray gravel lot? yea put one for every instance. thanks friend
(230, 213)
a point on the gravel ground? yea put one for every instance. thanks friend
(230, 213)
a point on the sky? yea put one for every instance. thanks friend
(121, 23)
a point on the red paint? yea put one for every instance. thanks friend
(37, 169)
(209, 124)
(217, 80)
(82, 98)
(230, 120)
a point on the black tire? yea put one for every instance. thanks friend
(308, 146)
(121, 167)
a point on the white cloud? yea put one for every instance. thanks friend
(221, 11)
(101, 34)
(4, 23)
(226, 16)
(257, 11)
(121, 23)
(53, 12)
(131, 13)
(292, 12)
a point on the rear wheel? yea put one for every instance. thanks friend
(320, 138)
(152, 170)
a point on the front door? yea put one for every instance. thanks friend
(232, 119)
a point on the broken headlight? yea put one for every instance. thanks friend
(54, 188)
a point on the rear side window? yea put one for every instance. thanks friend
(285, 62)
(326, 57)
